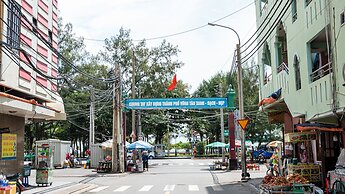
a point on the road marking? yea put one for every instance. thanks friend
(217, 188)
(169, 187)
(193, 188)
(146, 188)
(191, 164)
(210, 163)
(201, 164)
(121, 189)
(98, 189)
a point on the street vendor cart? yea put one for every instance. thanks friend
(44, 171)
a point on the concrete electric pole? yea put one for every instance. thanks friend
(92, 118)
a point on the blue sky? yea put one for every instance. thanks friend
(205, 51)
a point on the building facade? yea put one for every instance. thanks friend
(28, 73)
(301, 56)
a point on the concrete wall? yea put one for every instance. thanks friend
(16, 126)
(314, 97)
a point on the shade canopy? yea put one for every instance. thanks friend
(216, 144)
(139, 145)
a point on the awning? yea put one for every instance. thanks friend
(320, 127)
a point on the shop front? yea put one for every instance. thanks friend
(323, 147)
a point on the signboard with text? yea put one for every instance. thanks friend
(176, 103)
(9, 146)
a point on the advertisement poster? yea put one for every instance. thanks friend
(9, 146)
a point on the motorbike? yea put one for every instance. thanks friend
(19, 184)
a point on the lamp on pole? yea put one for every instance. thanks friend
(240, 98)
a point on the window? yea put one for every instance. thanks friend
(263, 5)
(266, 61)
(294, 10)
(297, 72)
(50, 37)
(13, 24)
(34, 22)
(342, 18)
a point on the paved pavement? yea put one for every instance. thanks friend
(170, 175)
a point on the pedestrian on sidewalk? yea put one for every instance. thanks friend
(145, 158)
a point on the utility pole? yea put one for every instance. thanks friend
(92, 118)
(114, 158)
(140, 136)
(168, 144)
(240, 99)
(220, 93)
(133, 97)
(241, 110)
(222, 132)
(121, 143)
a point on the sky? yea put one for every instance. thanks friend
(204, 51)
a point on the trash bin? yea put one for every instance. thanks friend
(26, 171)
(26, 174)
(140, 167)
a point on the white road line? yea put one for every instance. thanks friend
(201, 164)
(191, 164)
(217, 188)
(209, 163)
(121, 189)
(169, 187)
(193, 188)
(146, 188)
(98, 189)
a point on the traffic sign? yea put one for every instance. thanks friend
(243, 123)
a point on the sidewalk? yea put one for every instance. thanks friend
(78, 178)
(234, 176)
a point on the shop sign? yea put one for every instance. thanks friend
(9, 146)
(300, 137)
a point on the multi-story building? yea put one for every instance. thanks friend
(28, 73)
(301, 53)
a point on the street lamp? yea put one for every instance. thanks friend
(240, 99)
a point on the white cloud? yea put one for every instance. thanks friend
(204, 51)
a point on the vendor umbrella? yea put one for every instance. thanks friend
(274, 143)
(109, 144)
(139, 145)
(216, 144)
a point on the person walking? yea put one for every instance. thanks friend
(145, 158)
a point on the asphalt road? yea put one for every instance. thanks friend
(167, 176)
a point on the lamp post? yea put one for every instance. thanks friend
(240, 99)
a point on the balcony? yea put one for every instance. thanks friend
(321, 72)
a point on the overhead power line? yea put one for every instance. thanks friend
(185, 31)
(267, 34)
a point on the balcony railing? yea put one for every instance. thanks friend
(283, 66)
(267, 78)
(320, 72)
